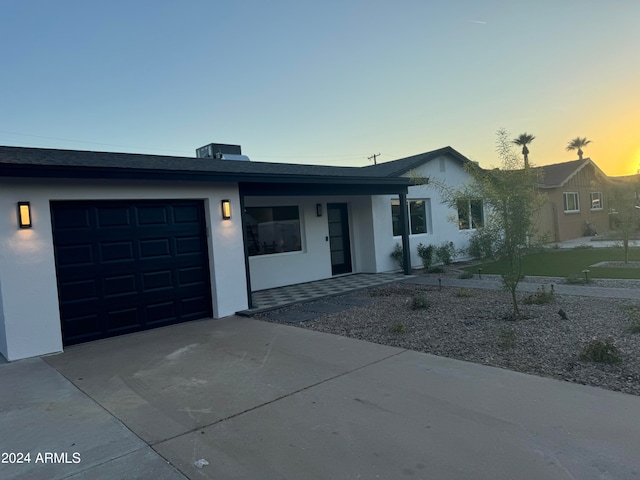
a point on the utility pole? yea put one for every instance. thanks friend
(374, 156)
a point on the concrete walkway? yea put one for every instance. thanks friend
(245, 399)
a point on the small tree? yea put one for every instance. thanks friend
(512, 201)
(624, 209)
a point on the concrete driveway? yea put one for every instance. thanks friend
(266, 401)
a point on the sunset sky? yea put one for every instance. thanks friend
(329, 82)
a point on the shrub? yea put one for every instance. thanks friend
(425, 252)
(541, 297)
(634, 317)
(398, 255)
(600, 350)
(398, 327)
(465, 275)
(446, 253)
(464, 293)
(483, 245)
(506, 338)
(419, 301)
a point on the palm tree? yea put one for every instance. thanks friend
(577, 144)
(523, 140)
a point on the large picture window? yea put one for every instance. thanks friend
(418, 216)
(571, 202)
(273, 230)
(470, 214)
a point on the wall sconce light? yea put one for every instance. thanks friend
(226, 210)
(319, 209)
(24, 215)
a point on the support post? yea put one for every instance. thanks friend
(246, 248)
(404, 221)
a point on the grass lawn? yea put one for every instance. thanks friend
(563, 263)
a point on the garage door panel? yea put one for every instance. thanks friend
(114, 216)
(124, 320)
(85, 289)
(161, 313)
(186, 245)
(159, 280)
(129, 266)
(72, 218)
(153, 215)
(186, 214)
(120, 285)
(84, 328)
(115, 251)
(75, 255)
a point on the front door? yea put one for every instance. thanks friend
(339, 242)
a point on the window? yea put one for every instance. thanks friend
(418, 216)
(395, 217)
(596, 201)
(470, 214)
(571, 202)
(273, 230)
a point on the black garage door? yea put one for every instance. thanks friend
(129, 266)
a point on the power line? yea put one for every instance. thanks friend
(374, 156)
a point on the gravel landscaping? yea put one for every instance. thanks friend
(474, 325)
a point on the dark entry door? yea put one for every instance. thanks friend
(128, 266)
(338, 218)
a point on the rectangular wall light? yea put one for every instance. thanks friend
(226, 209)
(318, 209)
(24, 215)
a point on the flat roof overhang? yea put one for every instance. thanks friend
(253, 184)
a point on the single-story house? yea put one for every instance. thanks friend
(575, 194)
(99, 244)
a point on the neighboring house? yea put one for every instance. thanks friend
(115, 243)
(431, 220)
(576, 199)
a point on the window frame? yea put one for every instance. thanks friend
(470, 222)
(600, 197)
(565, 206)
(395, 216)
(254, 251)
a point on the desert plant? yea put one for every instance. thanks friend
(541, 297)
(634, 317)
(419, 301)
(398, 255)
(464, 293)
(465, 275)
(398, 327)
(506, 338)
(601, 350)
(445, 253)
(425, 252)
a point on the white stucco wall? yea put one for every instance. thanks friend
(442, 170)
(313, 262)
(29, 314)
